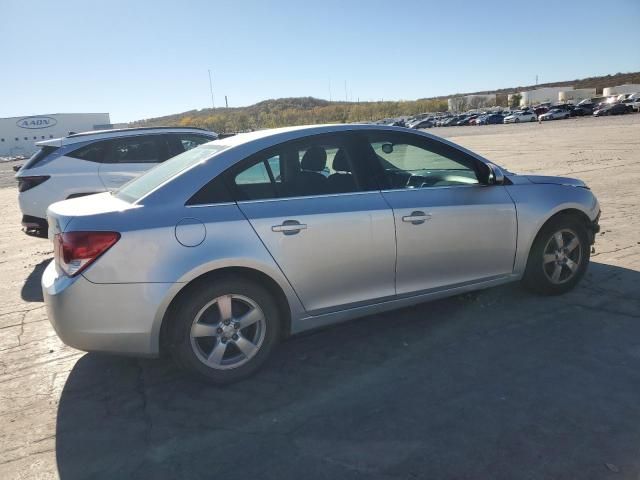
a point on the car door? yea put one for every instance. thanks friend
(450, 229)
(331, 234)
(126, 158)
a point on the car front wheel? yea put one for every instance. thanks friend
(225, 330)
(559, 256)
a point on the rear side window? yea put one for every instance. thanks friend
(93, 152)
(138, 149)
(318, 165)
(40, 155)
(149, 181)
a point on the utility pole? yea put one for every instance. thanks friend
(226, 103)
(536, 80)
(213, 105)
(330, 99)
(346, 99)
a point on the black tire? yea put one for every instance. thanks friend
(193, 302)
(537, 274)
(517, 120)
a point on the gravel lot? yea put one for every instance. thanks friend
(500, 384)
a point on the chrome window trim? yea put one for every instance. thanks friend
(474, 185)
(306, 197)
(202, 205)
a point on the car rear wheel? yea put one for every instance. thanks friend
(225, 330)
(559, 256)
(517, 120)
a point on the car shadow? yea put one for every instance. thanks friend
(31, 289)
(496, 384)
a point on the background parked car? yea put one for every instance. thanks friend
(93, 162)
(540, 110)
(614, 109)
(426, 123)
(632, 104)
(582, 109)
(494, 118)
(555, 114)
(521, 116)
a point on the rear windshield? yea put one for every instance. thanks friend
(152, 179)
(40, 155)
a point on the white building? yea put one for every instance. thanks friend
(18, 135)
(576, 95)
(627, 88)
(470, 102)
(542, 95)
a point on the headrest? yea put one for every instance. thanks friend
(314, 159)
(340, 163)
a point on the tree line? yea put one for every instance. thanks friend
(294, 111)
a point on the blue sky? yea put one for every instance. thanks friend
(140, 59)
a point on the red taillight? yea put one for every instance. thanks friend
(75, 251)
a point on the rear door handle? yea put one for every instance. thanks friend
(289, 227)
(417, 217)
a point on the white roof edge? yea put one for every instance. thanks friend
(112, 133)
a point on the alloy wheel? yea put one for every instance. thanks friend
(562, 256)
(228, 331)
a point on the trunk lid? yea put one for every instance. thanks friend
(60, 214)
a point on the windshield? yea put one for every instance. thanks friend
(149, 181)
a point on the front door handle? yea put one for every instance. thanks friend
(289, 227)
(417, 217)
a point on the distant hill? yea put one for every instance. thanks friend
(308, 110)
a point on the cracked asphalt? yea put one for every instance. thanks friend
(498, 384)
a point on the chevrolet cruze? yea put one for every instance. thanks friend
(218, 253)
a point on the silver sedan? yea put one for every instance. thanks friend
(218, 253)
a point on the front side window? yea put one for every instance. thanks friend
(138, 149)
(408, 162)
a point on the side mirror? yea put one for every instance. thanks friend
(387, 148)
(490, 174)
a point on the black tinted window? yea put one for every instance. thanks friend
(182, 142)
(92, 152)
(213, 192)
(138, 149)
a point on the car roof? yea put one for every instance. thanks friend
(119, 132)
(272, 136)
(243, 145)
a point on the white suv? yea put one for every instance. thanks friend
(92, 162)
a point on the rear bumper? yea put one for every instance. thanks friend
(112, 318)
